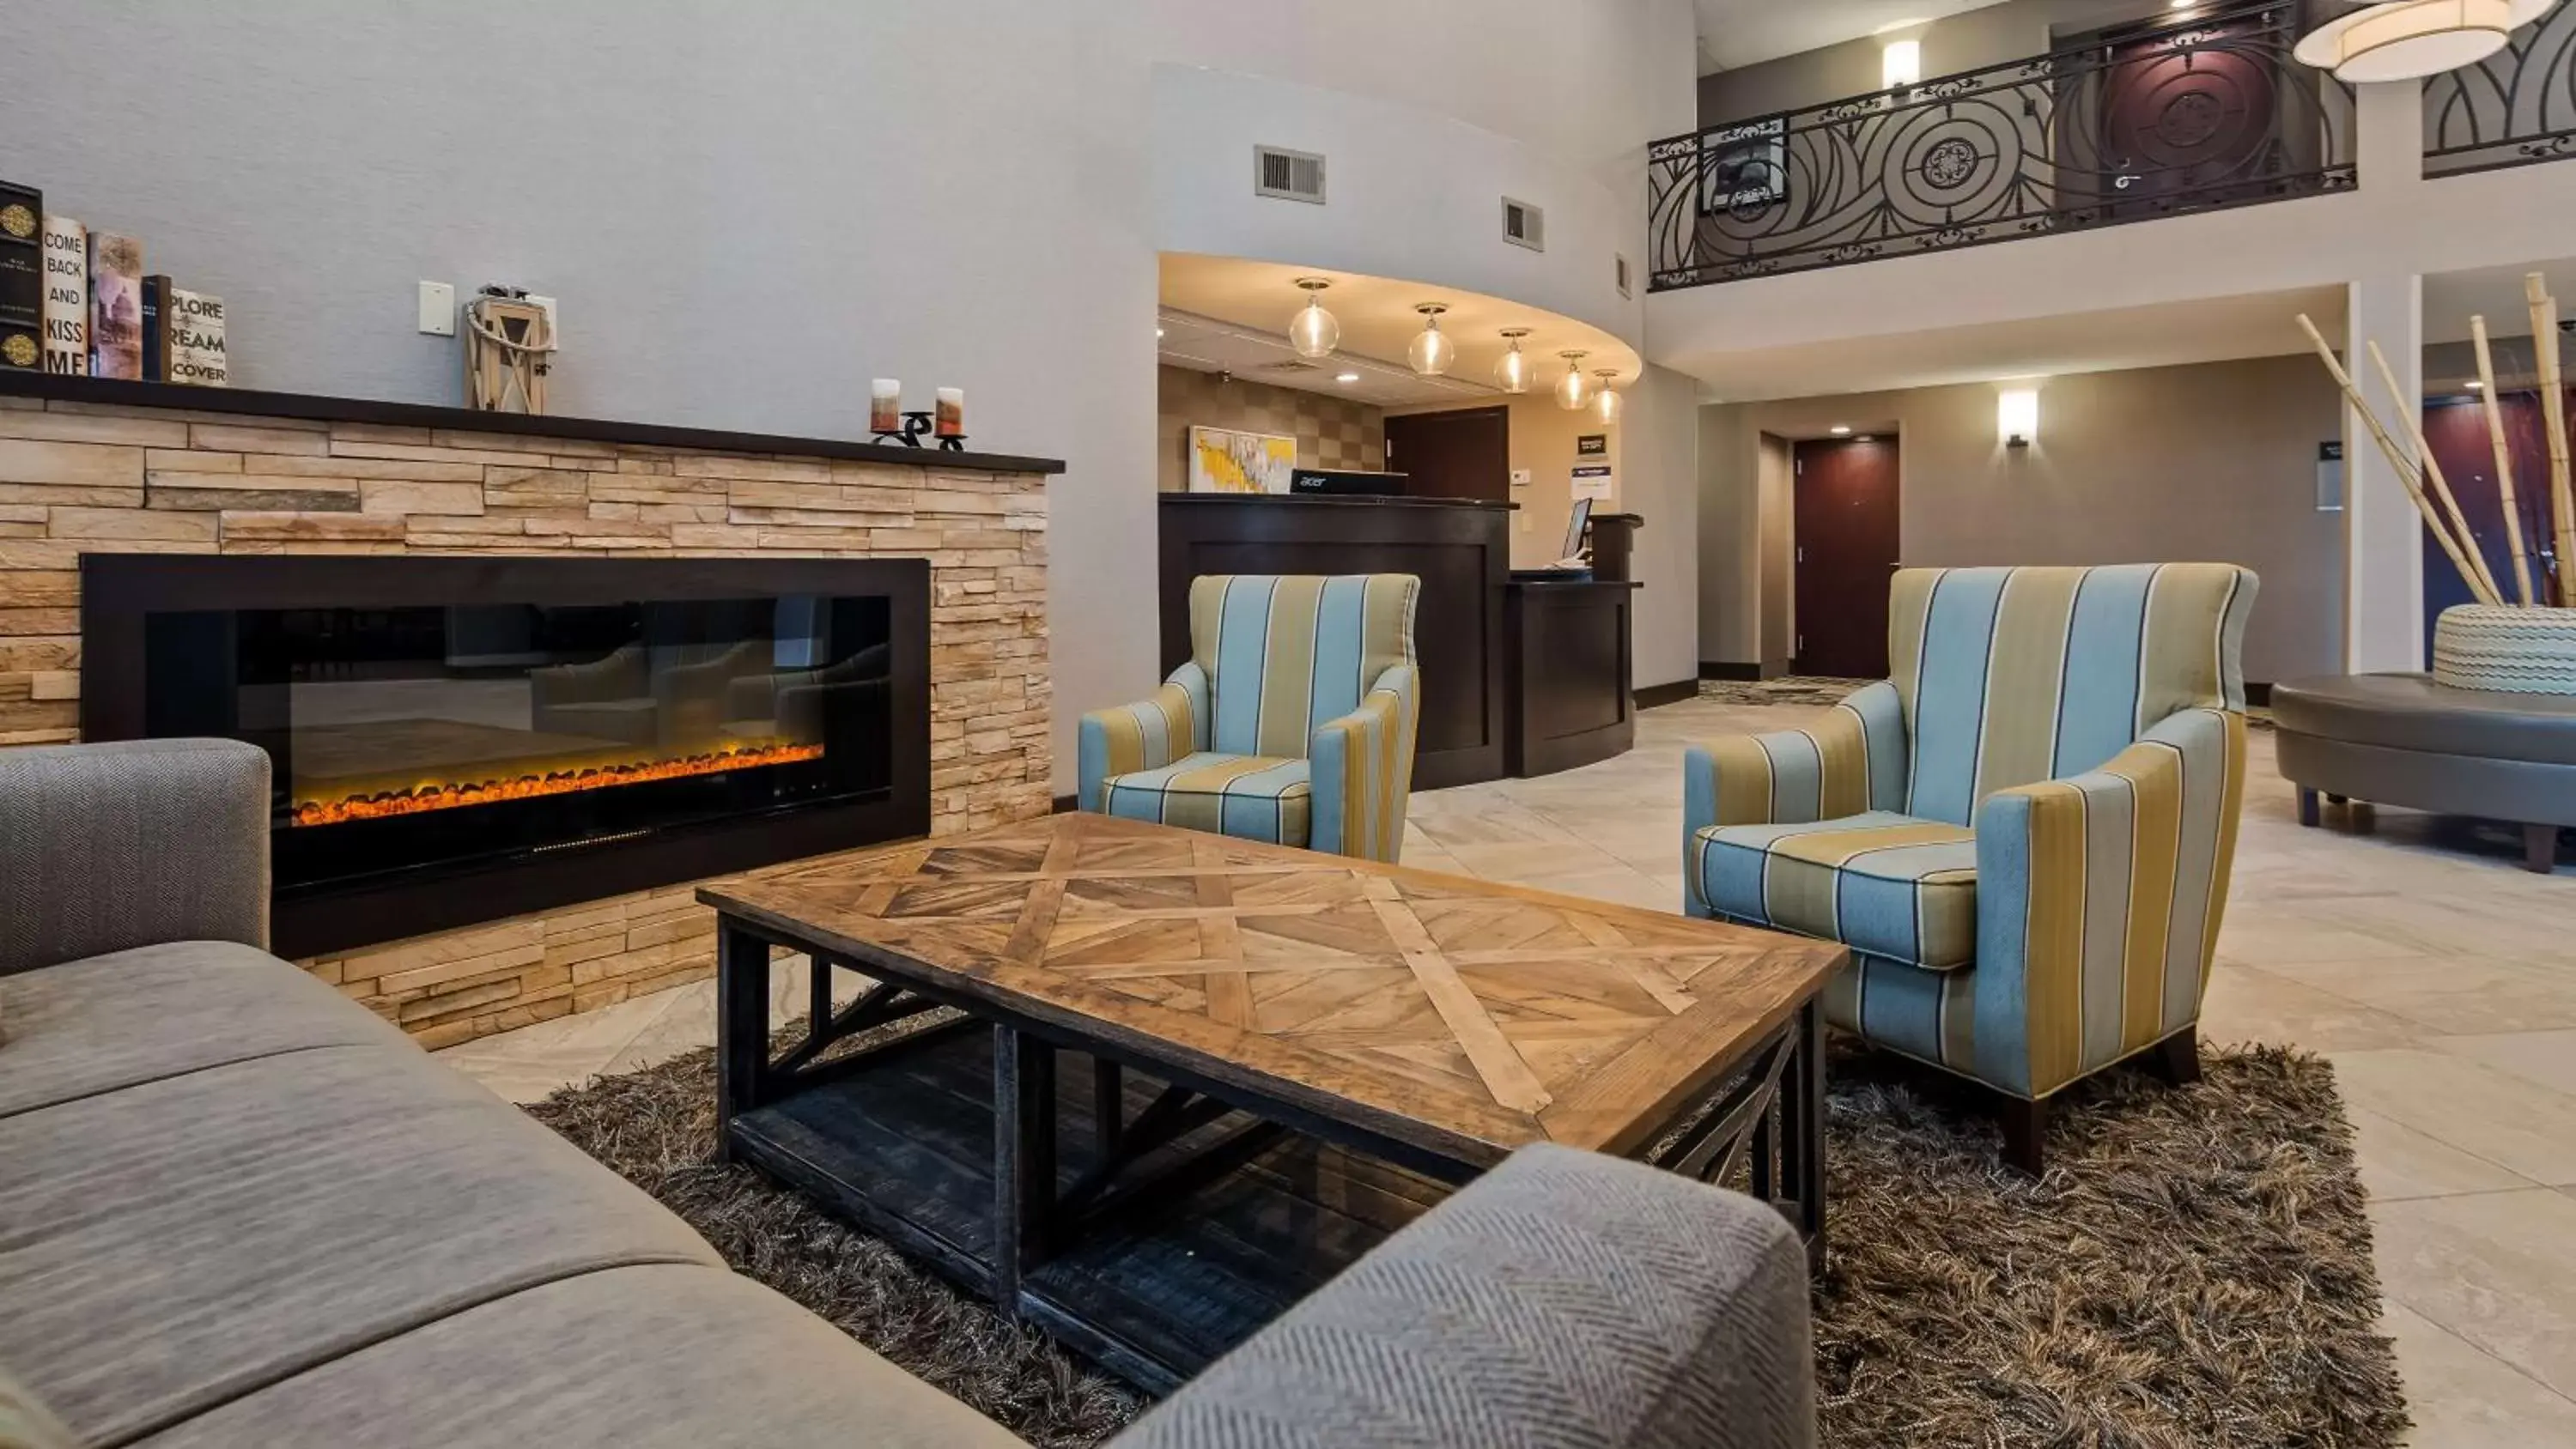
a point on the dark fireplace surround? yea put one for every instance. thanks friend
(457, 740)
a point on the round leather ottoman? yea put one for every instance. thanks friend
(2401, 739)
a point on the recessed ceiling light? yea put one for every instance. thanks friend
(1158, 332)
(2476, 386)
(1839, 430)
(1346, 377)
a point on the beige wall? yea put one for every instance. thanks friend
(2214, 461)
(1654, 453)
(1970, 41)
(1330, 432)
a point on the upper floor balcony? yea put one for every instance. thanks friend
(2132, 124)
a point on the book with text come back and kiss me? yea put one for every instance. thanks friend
(66, 296)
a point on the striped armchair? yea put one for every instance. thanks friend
(2024, 836)
(1292, 721)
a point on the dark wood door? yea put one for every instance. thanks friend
(1846, 552)
(1461, 454)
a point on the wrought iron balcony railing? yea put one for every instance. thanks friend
(2514, 108)
(2154, 121)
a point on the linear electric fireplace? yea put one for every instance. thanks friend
(457, 740)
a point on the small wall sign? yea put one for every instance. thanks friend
(1593, 482)
(2330, 477)
(1592, 445)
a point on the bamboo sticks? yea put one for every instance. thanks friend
(2514, 543)
(2411, 409)
(2553, 412)
(2406, 473)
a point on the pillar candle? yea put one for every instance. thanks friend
(885, 406)
(951, 418)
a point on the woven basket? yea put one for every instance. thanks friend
(2513, 651)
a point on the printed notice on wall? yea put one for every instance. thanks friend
(1593, 482)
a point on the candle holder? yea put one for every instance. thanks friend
(916, 426)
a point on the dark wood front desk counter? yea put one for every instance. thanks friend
(1566, 700)
(1473, 704)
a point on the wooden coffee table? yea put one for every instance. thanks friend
(1186, 1079)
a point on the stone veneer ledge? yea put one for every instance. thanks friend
(81, 478)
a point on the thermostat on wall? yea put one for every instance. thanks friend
(1520, 477)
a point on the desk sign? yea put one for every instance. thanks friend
(1592, 445)
(1593, 482)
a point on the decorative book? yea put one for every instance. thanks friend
(22, 277)
(115, 306)
(66, 296)
(183, 335)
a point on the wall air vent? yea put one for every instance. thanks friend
(1287, 175)
(1524, 225)
(1624, 284)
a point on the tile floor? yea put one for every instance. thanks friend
(2439, 977)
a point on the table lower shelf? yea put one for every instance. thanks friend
(1152, 1291)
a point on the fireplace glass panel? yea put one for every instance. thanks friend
(404, 737)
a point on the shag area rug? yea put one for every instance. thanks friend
(2194, 1270)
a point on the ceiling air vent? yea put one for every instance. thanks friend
(1288, 175)
(1291, 365)
(1524, 225)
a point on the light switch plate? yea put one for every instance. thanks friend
(438, 309)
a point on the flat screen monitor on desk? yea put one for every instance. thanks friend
(1570, 567)
(1574, 528)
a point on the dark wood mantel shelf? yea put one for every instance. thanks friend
(107, 392)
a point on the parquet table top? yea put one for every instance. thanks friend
(1458, 1015)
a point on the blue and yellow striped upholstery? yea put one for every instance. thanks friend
(1303, 670)
(1880, 882)
(2061, 755)
(1250, 797)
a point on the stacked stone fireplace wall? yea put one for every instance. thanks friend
(81, 478)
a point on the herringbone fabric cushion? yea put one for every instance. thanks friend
(108, 846)
(1566, 1301)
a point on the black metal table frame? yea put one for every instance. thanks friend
(1766, 1116)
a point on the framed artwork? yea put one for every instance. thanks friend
(1223, 460)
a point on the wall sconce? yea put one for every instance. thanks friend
(1900, 64)
(2017, 417)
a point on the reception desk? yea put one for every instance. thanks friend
(1566, 700)
(1517, 678)
(1461, 549)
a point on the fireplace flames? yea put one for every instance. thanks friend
(449, 796)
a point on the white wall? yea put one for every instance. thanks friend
(744, 221)
(1409, 194)
(747, 212)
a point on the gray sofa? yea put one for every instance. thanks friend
(238, 1209)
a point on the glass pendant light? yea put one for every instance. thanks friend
(1512, 374)
(1605, 402)
(1314, 333)
(1431, 351)
(1573, 390)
